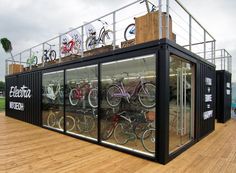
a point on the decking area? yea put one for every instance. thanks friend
(28, 148)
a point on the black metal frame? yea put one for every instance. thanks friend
(162, 49)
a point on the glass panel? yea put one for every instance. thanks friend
(81, 101)
(181, 103)
(128, 104)
(53, 100)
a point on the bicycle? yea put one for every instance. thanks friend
(54, 93)
(86, 120)
(32, 60)
(104, 37)
(144, 91)
(58, 122)
(71, 47)
(129, 32)
(83, 89)
(49, 54)
(148, 138)
(130, 128)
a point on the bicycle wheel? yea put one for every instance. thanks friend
(44, 58)
(90, 43)
(129, 32)
(35, 60)
(93, 98)
(121, 133)
(107, 130)
(146, 95)
(86, 123)
(148, 140)
(52, 120)
(139, 129)
(113, 97)
(107, 38)
(70, 123)
(72, 97)
(52, 55)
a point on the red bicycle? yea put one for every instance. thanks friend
(82, 90)
(71, 47)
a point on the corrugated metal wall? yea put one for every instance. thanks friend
(223, 100)
(32, 105)
(205, 125)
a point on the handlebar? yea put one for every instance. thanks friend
(103, 22)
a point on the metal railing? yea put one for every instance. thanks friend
(189, 32)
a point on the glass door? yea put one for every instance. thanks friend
(181, 105)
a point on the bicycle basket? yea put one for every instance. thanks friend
(150, 116)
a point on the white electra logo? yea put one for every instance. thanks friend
(23, 92)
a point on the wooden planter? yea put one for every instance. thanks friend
(147, 27)
(15, 68)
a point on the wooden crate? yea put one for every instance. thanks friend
(127, 43)
(15, 68)
(98, 50)
(147, 27)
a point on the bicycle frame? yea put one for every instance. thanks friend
(125, 93)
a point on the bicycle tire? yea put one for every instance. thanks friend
(150, 94)
(35, 60)
(87, 125)
(120, 134)
(70, 123)
(109, 96)
(71, 95)
(44, 58)
(107, 37)
(90, 43)
(51, 120)
(52, 55)
(149, 146)
(127, 32)
(107, 132)
(93, 98)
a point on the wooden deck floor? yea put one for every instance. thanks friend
(27, 148)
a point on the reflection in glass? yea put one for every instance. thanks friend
(128, 104)
(181, 103)
(82, 101)
(53, 100)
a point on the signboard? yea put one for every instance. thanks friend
(15, 92)
(208, 99)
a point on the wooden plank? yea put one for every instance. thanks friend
(28, 148)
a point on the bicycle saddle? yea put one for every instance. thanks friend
(93, 33)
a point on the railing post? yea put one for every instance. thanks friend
(190, 32)
(43, 56)
(204, 44)
(114, 30)
(224, 59)
(29, 59)
(212, 58)
(82, 40)
(214, 51)
(20, 61)
(59, 47)
(6, 68)
(167, 19)
(221, 59)
(160, 19)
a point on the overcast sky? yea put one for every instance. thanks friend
(30, 22)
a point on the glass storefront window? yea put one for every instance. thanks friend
(181, 103)
(53, 100)
(128, 104)
(81, 101)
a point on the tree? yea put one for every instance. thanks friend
(6, 45)
(2, 86)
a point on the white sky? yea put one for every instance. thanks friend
(29, 22)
